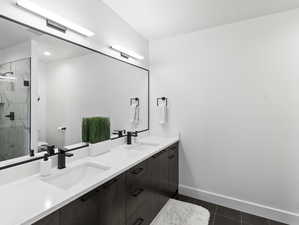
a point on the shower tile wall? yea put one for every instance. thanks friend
(15, 97)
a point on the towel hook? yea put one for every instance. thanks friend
(134, 99)
(163, 99)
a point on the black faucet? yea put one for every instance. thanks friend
(11, 116)
(119, 133)
(51, 149)
(61, 157)
(131, 134)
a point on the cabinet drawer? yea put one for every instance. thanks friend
(140, 216)
(84, 210)
(112, 202)
(137, 173)
(137, 187)
(173, 147)
(172, 152)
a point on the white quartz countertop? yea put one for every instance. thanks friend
(26, 201)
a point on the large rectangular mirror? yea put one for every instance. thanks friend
(51, 91)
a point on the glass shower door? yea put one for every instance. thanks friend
(14, 109)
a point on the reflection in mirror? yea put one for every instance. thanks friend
(53, 92)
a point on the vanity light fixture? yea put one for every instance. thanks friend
(126, 53)
(46, 53)
(53, 20)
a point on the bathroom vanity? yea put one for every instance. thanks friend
(134, 197)
(127, 185)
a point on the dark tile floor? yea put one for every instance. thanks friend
(224, 216)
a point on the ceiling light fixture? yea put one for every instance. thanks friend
(32, 7)
(126, 53)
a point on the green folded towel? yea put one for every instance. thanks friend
(95, 129)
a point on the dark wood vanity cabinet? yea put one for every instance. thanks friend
(159, 180)
(137, 187)
(102, 206)
(173, 170)
(138, 196)
(112, 202)
(133, 198)
(84, 210)
(52, 219)
(164, 177)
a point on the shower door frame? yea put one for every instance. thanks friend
(30, 101)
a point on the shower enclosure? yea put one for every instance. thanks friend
(14, 109)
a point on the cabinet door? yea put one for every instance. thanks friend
(154, 167)
(112, 202)
(81, 211)
(164, 177)
(173, 170)
(158, 167)
(52, 219)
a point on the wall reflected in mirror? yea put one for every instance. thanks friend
(48, 86)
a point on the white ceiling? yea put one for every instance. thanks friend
(59, 49)
(156, 19)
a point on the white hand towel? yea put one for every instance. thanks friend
(137, 110)
(163, 112)
(133, 112)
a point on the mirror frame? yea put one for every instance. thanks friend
(33, 157)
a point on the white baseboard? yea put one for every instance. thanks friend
(242, 205)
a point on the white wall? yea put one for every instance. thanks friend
(93, 14)
(234, 96)
(41, 105)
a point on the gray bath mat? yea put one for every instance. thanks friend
(182, 213)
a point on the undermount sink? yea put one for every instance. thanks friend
(140, 146)
(78, 175)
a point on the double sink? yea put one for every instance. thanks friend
(85, 173)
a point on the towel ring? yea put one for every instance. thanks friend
(163, 99)
(134, 99)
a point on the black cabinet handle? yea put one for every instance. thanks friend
(137, 192)
(107, 185)
(173, 148)
(139, 221)
(158, 154)
(137, 171)
(171, 156)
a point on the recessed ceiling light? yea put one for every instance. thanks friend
(46, 53)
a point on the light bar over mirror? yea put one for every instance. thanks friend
(126, 53)
(55, 89)
(53, 19)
